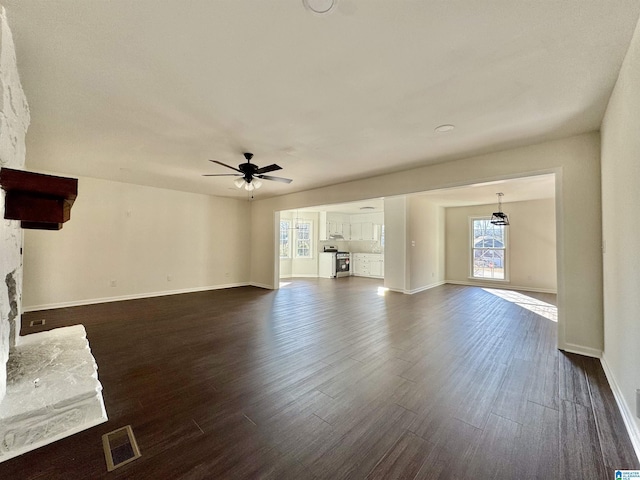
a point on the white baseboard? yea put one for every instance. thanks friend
(93, 301)
(302, 275)
(426, 287)
(415, 290)
(580, 350)
(397, 290)
(261, 285)
(501, 286)
(627, 413)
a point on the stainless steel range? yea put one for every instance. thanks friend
(343, 264)
(334, 263)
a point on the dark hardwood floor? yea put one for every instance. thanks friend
(328, 379)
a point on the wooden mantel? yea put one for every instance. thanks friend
(39, 201)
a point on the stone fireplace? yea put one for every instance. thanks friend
(49, 386)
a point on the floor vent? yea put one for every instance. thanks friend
(120, 447)
(37, 323)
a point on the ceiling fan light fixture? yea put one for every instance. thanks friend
(250, 175)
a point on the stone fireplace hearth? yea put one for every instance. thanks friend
(52, 391)
(49, 386)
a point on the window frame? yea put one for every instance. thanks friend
(287, 228)
(297, 239)
(472, 248)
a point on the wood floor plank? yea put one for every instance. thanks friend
(496, 453)
(616, 448)
(363, 444)
(572, 379)
(403, 460)
(475, 406)
(578, 434)
(544, 388)
(327, 379)
(538, 448)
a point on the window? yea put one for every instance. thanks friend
(488, 249)
(303, 239)
(285, 244)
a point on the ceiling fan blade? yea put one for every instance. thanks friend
(275, 179)
(222, 175)
(268, 168)
(225, 165)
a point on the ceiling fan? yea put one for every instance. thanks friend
(250, 173)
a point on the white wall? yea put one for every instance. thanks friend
(425, 243)
(396, 271)
(14, 121)
(531, 244)
(621, 232)
(137, 236)
(575, 161)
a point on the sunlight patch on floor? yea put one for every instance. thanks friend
(382, 291)
(534, 305)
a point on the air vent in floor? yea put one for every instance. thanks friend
(120, 447)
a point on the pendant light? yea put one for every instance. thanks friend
(499, 218)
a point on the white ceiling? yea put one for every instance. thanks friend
(147, 91)
(515, 190)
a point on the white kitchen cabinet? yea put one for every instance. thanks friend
(346, 231)
(332, 228)
(323, 230)
(375, 268)
(367, 231)
(356, 231)
(377, 231)
(360, 265)
(332, 224)
(368, 265)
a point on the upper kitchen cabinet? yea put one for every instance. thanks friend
(337, 226)
(323, 231)
(334, 226)
(366, 226)
(356, 231)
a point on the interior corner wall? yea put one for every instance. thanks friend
(129, 241)
(14, 121)
(621, 232)
(425, 243)
(531, 244)
(396, 272)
